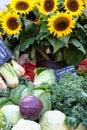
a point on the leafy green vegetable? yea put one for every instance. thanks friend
(4, 96)
(45, 97)
(24, 88)
(3, 100)
(4, 123)
(42, 91)
(11, 113)
(69, 95)
(5, 93)
(43, 75)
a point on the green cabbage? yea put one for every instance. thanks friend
(24, 88)
(11, 113)
(44, 75)
(45, 97)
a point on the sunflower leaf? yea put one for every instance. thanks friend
(78, 45)
(16, 52)
(65, 40)
(26, 43)
(28, 24)
(55, 42)
(72, 55)
(81, 35)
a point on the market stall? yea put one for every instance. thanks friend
(43, 65)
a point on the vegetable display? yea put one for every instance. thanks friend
(52, 104)
(43, 65)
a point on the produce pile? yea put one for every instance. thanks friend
(45, 103)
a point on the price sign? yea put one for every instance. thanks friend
(61, 72)
(5, 53)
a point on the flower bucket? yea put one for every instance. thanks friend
(40, 62)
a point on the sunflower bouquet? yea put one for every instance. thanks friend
(52, 29)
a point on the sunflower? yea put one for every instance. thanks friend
(1, 15)
(75, 7)
(85, 3)
(10, 24)
(47, 6)
(22, 6)
(61, 24)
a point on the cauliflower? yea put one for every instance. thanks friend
(53, 120)
(26, 125)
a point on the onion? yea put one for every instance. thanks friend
(30, 107)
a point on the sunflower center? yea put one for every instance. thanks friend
(61, 23)
(12, 23)
(22, 5)
(48, 5)
(72, 5)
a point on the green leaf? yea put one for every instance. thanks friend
(43, 28)
(79, 26)
(81, 35)
(32, 54)
(26, 43)
(55, 42)
(3, 100)
(16, 52)
(78, 45)
(28, 24)
(73, 56)
(65, 40)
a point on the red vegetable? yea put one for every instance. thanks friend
(30, 107)
(83, 64)
(29, 70)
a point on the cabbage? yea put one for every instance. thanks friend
(44, 75)
(24, 88)
(53, 120)
(12, 113)
(45, 97)
(26, 125)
